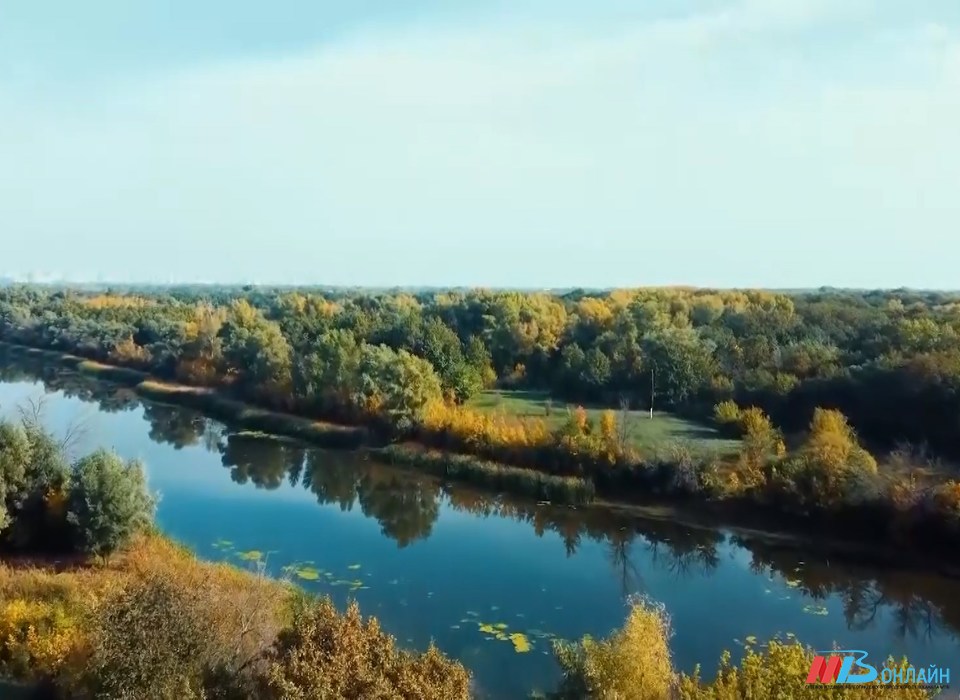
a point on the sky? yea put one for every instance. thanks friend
(517, 143)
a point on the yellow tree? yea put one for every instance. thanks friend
(833, 456)
(761, 443)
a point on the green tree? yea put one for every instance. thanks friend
(395, 384)
(256, 351)
(682, 363)
(108, 502)
(14, 458)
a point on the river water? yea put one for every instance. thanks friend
(437, 562)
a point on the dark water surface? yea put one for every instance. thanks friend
(437, 562)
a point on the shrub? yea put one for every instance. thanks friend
(108, 502)
(151, 640)
(36, 638)
(328, 655)
(632, 664)
(727, 413)
(781, 672)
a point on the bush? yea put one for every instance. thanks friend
(727, 414)
(36, 638)
(108, 502)
(632, 664)
(328, 655)
(780, 672)
(151, 640)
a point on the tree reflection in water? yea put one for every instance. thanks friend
(406, 506)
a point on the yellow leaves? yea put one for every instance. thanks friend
(35, 637)
(755, 423)
(117, 301)
(128, 352)
(832, 443)
(727, 412)
(608, 426)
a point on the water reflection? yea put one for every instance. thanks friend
(407, 507)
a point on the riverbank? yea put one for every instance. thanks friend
(858, 533)
(209, 401)
(447, 465)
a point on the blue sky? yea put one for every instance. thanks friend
(767, 143)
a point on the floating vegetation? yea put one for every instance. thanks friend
(494, 608)
(353, 567)
(767, 590)
(454, 627)
(521, 644)
(751, 639)
(792, 582)
(307, 573)
(223, 544)
(251, 555)
(816, 610)
(498, 632)
(471, 613)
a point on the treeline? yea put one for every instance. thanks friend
(890, 361)
(812, 382)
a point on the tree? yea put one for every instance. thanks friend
(327, 376)
(255, 351)
(108, 502)
(682, 361)
(14, 458)
(37, 511)
(395, 384)
(632, 664)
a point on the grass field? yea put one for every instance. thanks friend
(644, 434)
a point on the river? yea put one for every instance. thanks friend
(437, 562)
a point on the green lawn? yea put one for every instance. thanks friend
(644, 433)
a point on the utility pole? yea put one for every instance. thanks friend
(653, 378)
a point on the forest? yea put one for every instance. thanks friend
(842, 401)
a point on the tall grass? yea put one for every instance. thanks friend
(490, 475)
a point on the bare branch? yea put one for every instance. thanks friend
(74, 434)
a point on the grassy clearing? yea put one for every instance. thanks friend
(645, 435)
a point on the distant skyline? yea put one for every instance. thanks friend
(530, 143)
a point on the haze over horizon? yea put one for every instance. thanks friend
(535, 143)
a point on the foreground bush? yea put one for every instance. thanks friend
(632, 664)
(780, 671)
(328, 655)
